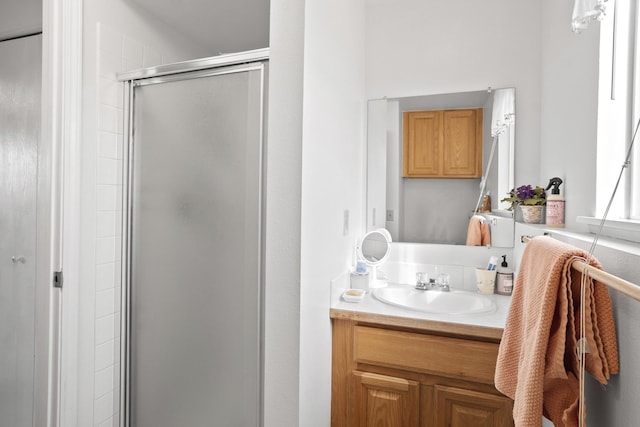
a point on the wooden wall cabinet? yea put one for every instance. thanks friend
(442, 144)
(390, 376)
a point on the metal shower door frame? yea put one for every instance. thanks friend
(207, 67)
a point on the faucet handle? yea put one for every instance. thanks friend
(422, 280)
(443, 282)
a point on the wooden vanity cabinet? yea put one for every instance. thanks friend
(442, 143)
(396, 376)
(382, 400)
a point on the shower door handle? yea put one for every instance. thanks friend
(19, 259)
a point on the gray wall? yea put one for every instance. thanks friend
(614, 405)
(19, 17)
(437, 210)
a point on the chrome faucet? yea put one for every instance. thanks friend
(424, 283)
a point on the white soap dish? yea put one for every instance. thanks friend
(353, 295)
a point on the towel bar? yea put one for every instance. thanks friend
(623, 286)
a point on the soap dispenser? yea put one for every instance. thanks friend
(504, 278)
(555, 204)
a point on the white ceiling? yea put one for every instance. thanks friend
(222, 26)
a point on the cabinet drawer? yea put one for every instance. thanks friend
(452, 357)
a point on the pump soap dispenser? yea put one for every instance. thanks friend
(504, 278)
(555, 204)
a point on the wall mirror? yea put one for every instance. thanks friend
(437, 210)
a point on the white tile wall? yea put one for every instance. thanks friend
(115, 52)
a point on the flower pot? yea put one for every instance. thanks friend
(532, 214)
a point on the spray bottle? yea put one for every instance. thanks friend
(555, 204)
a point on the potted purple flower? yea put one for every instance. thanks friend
(531, 201)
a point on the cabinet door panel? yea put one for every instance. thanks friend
(462, 148)
(422, 141)
(383, 401)
(457, 407)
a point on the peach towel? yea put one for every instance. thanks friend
(478, 233)
(537, 364)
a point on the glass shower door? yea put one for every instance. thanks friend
(20, 82)
(195, 226)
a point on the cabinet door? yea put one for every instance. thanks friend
(456, 407)
(442, 144)
(422, 144)
(385, 401)
(462, 147)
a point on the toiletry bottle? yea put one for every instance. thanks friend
(555, 204)
(493, 263)
(486, 203)
(504, 278)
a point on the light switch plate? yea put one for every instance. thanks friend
(345, 224)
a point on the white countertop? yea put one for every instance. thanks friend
(370, 305)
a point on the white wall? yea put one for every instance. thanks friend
(569, 109)
(115, 38)
(397, 62)
(282, 246)
(430, 47)
(332, 182)
(568, 147)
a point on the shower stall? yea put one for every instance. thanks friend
(20, 102)
(193, 242)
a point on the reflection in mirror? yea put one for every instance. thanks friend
(374, 247)
(437, 210)
(501, 143)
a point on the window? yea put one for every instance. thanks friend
(618, 116)
(618, 112)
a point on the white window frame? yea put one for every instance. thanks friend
(618, 114)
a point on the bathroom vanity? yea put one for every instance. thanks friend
(392, 367)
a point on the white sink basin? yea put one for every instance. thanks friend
(431, 301)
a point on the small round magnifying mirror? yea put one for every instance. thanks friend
(374, 246)
(373, 249)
